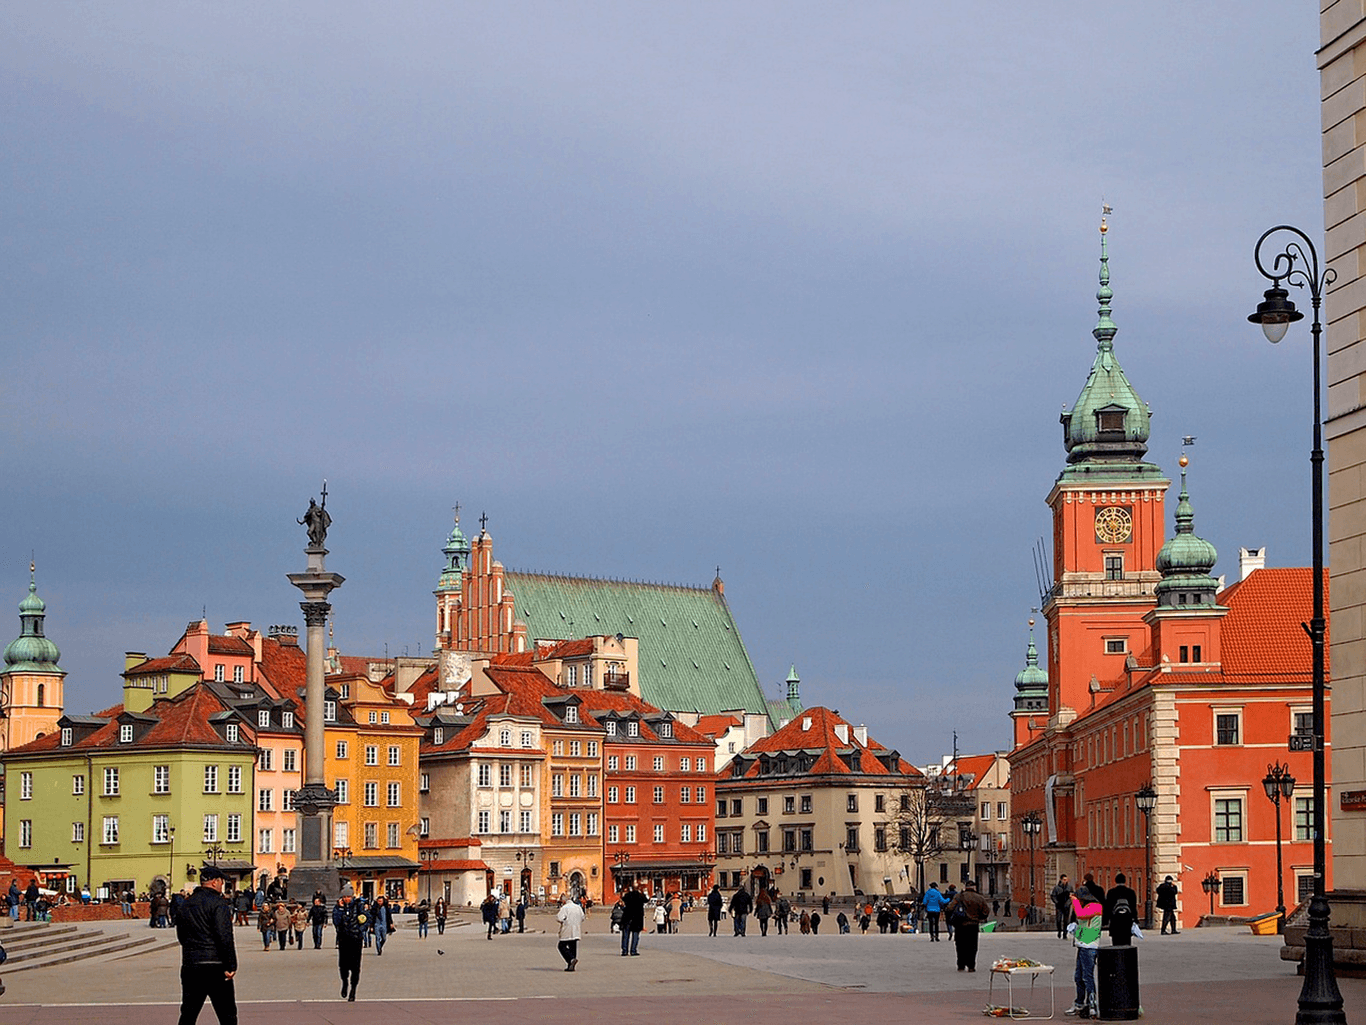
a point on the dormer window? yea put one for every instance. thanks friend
(633, 729)
(611, 727)
(438, 735)
(231, 733)
(66, 736)
(344, 691)
(125, 733)
(330, 711)
(505, 738)
(236, 674)
(263, 718)
(571, 713)
(287, 720)
(1110, 419)
(666, 730)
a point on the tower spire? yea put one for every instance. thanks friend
(1105, 327)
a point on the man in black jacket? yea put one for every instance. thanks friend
(1166, 902)
(633, 903)
(208, 957)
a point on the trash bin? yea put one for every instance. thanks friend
(1117, 983)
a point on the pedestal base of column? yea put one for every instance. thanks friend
(306, 880)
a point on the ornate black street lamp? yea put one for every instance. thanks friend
(1320, 1001)
(1278, 784)
(1210, 884)
(1146, 799)
(1031, 824)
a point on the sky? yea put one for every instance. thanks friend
(793, 289)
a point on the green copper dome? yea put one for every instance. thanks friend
(31, 652)
(1185, 560)
(457, 553)
(1108, 422)
(1032, 682)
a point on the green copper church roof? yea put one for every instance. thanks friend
(1108, 423)
(31, 652)
(690, 653)
(1185, 560)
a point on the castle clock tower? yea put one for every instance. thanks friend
(1107, 529)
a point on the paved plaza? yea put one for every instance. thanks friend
(687, 978)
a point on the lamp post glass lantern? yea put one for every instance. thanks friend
(1279, 784)
(1320, 1002)
(1210, 884)
(1146, 799)
(1031, 824)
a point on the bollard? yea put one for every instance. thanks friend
(1117, 983)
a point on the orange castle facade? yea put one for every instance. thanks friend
(1156, 676)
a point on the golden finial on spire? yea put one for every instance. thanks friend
(1183, 462)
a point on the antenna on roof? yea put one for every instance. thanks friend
(1042, 573)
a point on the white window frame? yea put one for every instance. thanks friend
(1215, 713)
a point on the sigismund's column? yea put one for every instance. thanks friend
(313, 870)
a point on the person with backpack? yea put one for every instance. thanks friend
(965, 915)
(352, 922)
(782, 914)
(1085, 932)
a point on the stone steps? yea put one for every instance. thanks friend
(43, 947)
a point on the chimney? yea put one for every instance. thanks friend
(133, 658)
(861, 734)
(842, 731)
(1249, 560)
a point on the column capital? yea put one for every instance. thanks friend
(315, 612)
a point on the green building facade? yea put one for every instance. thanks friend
(135, 799)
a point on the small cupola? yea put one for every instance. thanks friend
(1031, 683)
(1185, 560)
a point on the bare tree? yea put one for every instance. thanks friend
(917, 830)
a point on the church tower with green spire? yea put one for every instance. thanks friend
(449, 586)
(1107, 527)
(31, 682)
(1031, 694)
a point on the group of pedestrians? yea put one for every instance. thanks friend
(498, 913)
(1088, 911)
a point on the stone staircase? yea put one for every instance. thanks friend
(41, 945)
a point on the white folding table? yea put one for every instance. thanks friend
(1033, 971)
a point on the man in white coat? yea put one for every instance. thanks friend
(571, 918)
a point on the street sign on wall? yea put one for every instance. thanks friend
(1301, 742)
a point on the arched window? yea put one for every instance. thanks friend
(40, 695)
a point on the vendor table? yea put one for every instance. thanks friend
(1033, 971)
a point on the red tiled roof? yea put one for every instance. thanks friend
(565, 649)
(513, 658)
(820, 735)
(450, 841)
(596, 701)
(220, 645)
(284, 668)
(427, 683)
(1261, 635)
(715, 725)
(455, 866)
(181, 663)
(359, 665)
(973, 766)
(181, 720)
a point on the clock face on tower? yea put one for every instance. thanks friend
(1114, 525)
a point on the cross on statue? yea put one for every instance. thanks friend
(316, 520)
(483, 523)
